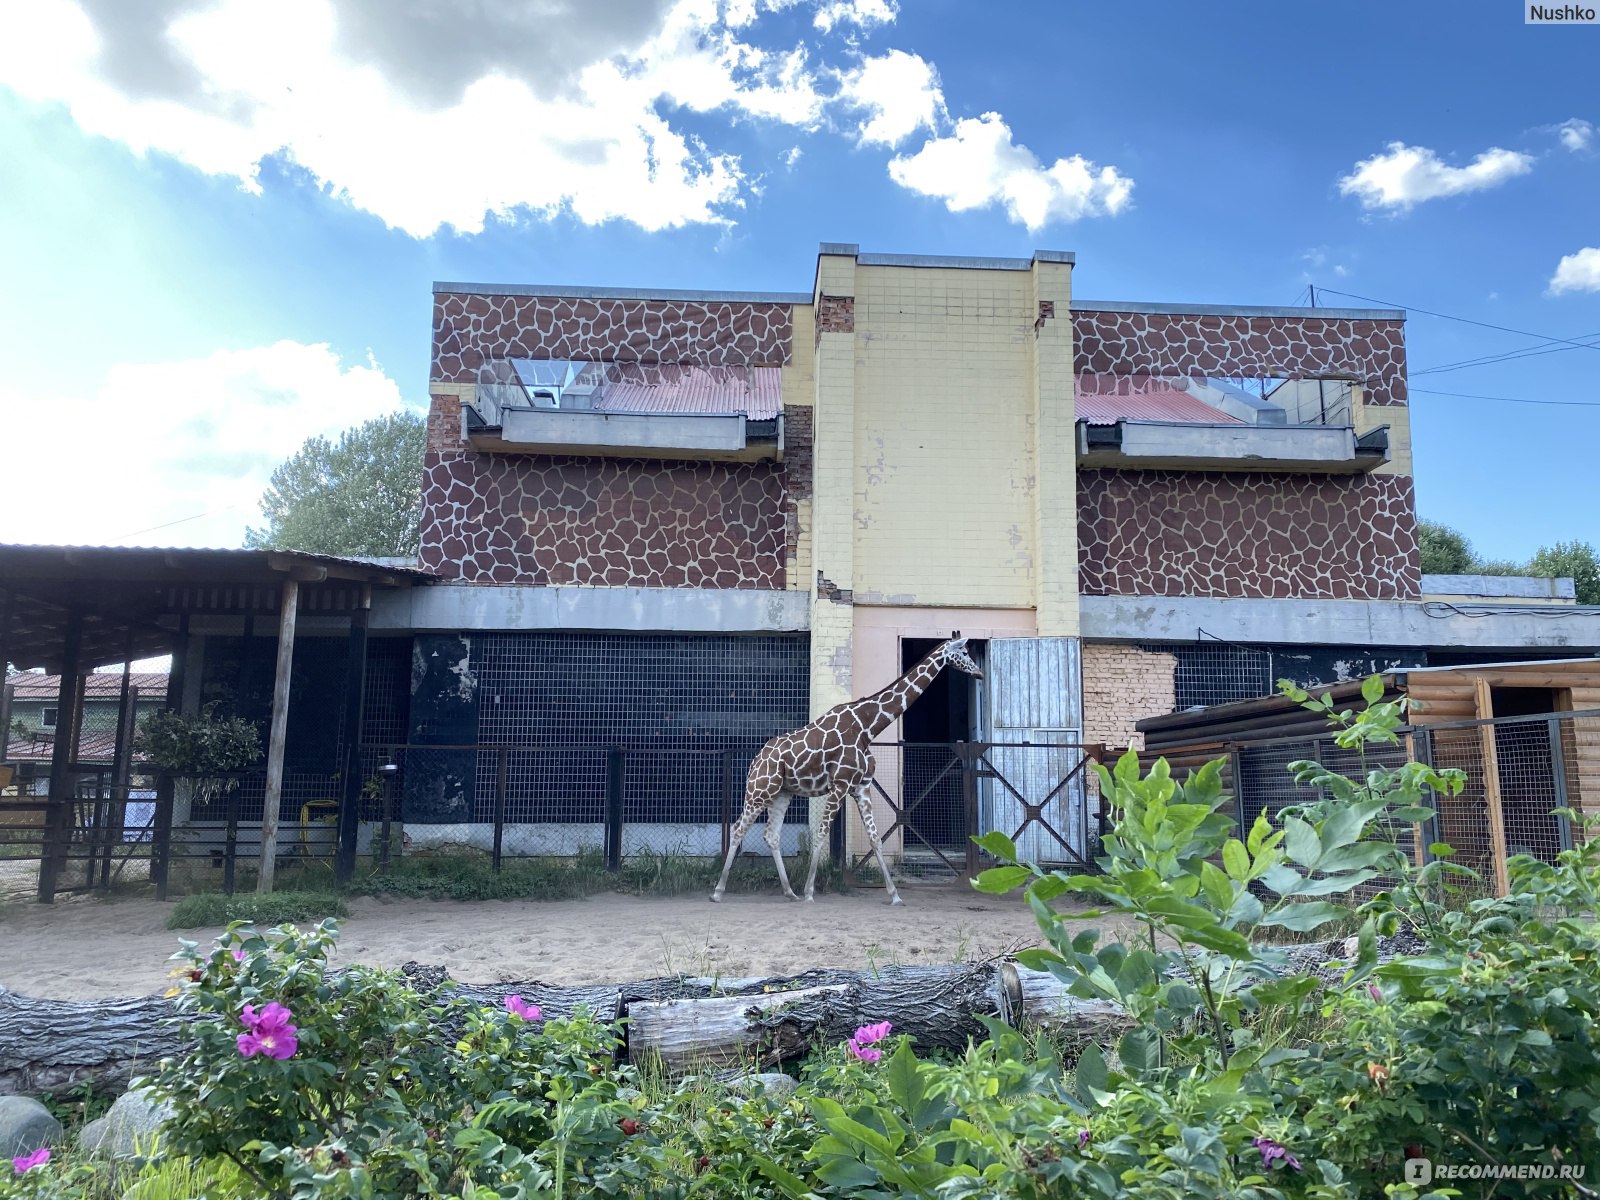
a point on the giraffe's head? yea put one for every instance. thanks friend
(955, 655)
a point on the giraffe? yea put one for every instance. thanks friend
(831, 757)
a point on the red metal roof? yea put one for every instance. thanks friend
(30, 685)
(1107, 399)
(94, 746)
(673, 388)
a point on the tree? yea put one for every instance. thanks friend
(1574, 560)
(1445, 551)
(360, 495)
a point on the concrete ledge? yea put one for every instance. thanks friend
(564, 428)
(465, 607)
(1338, 622)
(1238, 310)
(1521, 587)
(568, 291)
(1185, 445)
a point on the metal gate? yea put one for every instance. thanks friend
(1038, 800)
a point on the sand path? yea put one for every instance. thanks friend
(82, 948)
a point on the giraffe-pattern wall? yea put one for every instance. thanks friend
(1121, 343)
(470, 329)
(1178, 533)
(593, 522)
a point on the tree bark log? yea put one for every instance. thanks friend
(52, 1046)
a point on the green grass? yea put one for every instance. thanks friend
(467, 876)
(212, 908)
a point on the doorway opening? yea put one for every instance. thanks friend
(1527, 769)
(944, 714)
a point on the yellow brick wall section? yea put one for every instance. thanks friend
(1123, 685)
(944, 507)
(1054, 452)
(1397, 417)
(799, 384)
(833, 479)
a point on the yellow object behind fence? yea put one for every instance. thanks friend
(328, 807)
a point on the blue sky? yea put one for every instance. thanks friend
(220, 219)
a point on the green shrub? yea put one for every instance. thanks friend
(207, 909)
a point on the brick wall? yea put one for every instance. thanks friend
(602, 522)
(1123, 685)
(1258, 535)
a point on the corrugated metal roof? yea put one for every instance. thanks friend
(1153, 402)
(30, 685)
(757, 392)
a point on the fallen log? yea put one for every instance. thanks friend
(54, 1046)
(683, 1023)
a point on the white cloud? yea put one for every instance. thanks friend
(1575, 134)
(423, 139)
(1578, 272)
(177, 453)
(1407, 175)
(897, 94)
(979, 164)
(862, 13)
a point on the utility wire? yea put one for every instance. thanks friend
(1510, 399)
(179, 521)
(1507, 356)
(1543, 337)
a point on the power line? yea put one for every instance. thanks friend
(1511, 399)
(1507, 356)
(1543, 337)
(180, 521)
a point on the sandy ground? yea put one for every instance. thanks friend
(82, 948)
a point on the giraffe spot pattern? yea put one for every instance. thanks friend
(1176, 533)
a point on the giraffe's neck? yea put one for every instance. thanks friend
(881, 710)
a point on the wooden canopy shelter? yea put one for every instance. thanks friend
(69, 609)
(1527, 734)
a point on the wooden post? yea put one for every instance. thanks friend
(1419, 849)
(355, 682)
(280, 725)
(58, 818)
(1491, 786)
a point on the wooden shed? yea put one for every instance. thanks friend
(1527, 735)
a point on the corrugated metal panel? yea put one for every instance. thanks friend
(1035, 695)
(754, 391)
(1034, 684)
(1100, 408)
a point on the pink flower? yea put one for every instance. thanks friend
(867, 1054)
(1274, 1153)
(239, 955)
(518, 1007)
(270, 1032)
(867, 1035)
(27, 1162)
(1375, 992)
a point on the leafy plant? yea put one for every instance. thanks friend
(206, 748)
(207, 909)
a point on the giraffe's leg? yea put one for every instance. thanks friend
(864, 805)
(775, 814)
(831, 804)
(754, 805)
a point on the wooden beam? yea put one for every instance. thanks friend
(1491, 787)
(280, 725)
(58, 818)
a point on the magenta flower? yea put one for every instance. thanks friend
(867, 1054)
(269, 1032)
(518, 1007)
(26, 1162)
(1274, 1153)
(1375, 992)
(239, 955)
(868, 1035)
(1083, 1139)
